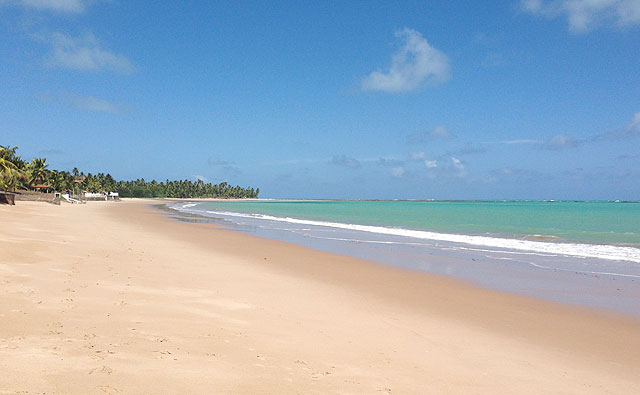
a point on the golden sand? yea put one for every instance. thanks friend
(115, 298)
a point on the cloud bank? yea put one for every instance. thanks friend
(584, 15)
(414, 65)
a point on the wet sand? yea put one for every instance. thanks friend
(116, 298)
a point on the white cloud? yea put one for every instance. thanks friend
(397, 171)
(632, 130)
(69, 6)
(417, 155)
(439, 132)
(213, 161)
(431, 164)
(415, 64)
(507, 171)
(458, 167)
(201, 178)
(389, 161)
(85, 54)
(629, 12)
(345, 161)
(584, 15)
(457, 163)
(94, 104)
(521, 141)
(635, 122)
(561, 141)
(87, 103)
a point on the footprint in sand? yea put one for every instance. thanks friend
(56, 328)
(108, 390)
(102, 369)
(165, 355)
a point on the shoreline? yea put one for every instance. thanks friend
(157, 297)
(400, 200)
(490, 234)
(566, 273)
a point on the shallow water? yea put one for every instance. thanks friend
(614, 223)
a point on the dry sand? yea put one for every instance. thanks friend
(115, 298)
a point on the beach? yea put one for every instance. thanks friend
(114, 297)
(581, 253)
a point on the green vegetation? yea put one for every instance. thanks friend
(17, 174)
(182, 189)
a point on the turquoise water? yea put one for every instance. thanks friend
(582, 222)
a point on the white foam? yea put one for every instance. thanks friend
(608, 252)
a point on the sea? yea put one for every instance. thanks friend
(578, 252)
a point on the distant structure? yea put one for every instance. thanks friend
(101, 196)
(43, 188)
(7, 198)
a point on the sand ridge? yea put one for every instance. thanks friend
(115, 298)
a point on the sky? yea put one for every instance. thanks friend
(534, 99)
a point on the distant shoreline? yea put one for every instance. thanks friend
(401, 200)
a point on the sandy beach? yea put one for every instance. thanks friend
(116, 298)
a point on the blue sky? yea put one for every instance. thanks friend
(425, 99)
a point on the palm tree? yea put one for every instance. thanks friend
(59, 180)
(10, 173)
(9, 153)
(38, 170)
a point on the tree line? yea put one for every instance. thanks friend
(18, 174)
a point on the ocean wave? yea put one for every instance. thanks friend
(601, 251)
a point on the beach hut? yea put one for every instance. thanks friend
(42, 188)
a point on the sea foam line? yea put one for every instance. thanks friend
(608, 252)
